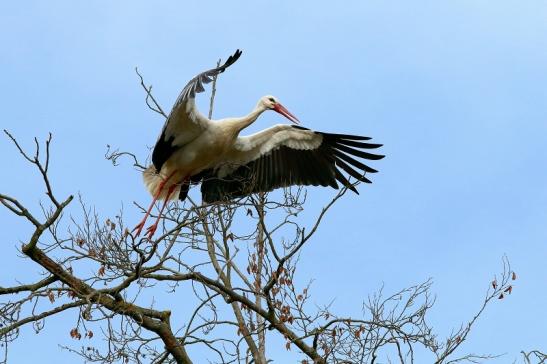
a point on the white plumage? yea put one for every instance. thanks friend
(193, 149)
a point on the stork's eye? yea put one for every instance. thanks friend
(272, 99)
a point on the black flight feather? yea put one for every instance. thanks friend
(164, 147)
(285, 166)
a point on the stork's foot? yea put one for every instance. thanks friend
(151, 230)
(138, 228)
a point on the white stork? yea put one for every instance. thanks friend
(192, 149)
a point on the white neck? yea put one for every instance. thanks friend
(241, 123)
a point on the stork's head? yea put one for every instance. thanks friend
(270, 102)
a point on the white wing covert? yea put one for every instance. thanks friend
(185, 122)
(286, 155)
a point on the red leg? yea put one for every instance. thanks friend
(152, 229)
(140, 225)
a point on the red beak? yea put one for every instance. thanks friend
(283, 111)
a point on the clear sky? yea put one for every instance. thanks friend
(456, 91)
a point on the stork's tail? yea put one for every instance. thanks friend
(152, 181)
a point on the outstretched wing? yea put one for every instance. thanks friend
(286, 155)
(185, 122)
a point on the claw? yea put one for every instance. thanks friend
(139, 227)
(151, 230)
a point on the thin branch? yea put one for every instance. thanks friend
(156, 107)
(213, 92)
(28, 287)
(7, 329)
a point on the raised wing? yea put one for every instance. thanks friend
(286, 155)
(185, 122)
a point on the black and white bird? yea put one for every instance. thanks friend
(192, 149)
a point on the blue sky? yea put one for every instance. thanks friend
(455, 90)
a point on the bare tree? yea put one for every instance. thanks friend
(534, 356)
(234, 263)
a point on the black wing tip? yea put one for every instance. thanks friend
(374, 157)
(231, 60)
(195, 85)
(347, 136)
